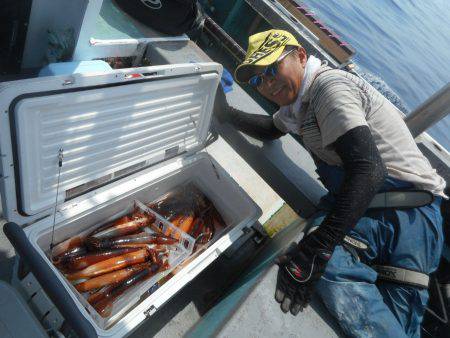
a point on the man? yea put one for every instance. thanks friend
(361, 147)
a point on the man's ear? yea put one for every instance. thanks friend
(302, 55)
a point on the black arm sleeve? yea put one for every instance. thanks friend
(364, 176)
(259, 126)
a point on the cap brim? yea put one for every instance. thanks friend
(245, 71)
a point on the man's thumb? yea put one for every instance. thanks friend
(282, 259)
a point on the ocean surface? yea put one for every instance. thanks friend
(402, 47)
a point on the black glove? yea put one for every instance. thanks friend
(299, 269)
(256, 125)
(221, 107)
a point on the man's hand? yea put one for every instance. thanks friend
(299, 270)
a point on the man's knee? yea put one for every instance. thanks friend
(407, 303)
(358, 308)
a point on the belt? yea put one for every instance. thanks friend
(388, 272)
(398, 200)
(402, 276)
(401, 199)
(385, 272)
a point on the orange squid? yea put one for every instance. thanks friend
(83, 261)
(109, 278)
(111, 264)
(104, 303)
(122, 241)
(125, 225)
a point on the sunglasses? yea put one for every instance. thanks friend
(270, 71)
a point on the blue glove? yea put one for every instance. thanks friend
(226, 81)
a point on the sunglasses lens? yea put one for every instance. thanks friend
(271, 70)
(255, 81)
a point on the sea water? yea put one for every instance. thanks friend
(402, 47)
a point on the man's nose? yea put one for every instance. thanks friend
(269, 80)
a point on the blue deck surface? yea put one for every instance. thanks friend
(249, 309)
(113, 24)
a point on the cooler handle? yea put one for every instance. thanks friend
(48, 280)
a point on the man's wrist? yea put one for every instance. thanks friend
(316, 241)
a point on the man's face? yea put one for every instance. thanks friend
(283, 88)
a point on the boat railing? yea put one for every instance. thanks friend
(434, 109)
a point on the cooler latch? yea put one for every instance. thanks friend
(150, 311)
(255, 233)
(260, 233)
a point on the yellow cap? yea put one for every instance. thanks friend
(264, 48)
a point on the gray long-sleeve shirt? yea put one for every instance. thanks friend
(336, 102)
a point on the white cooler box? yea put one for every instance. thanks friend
(125, 135)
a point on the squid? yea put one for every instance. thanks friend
(154, 250)
(78, 240)
(100, 294)
(206, 235)
(63, 258)
(109, 278)
(104, 301)
(180, 200)
(183, 222)
(123, 241)
(70, 243)
(83, 261)
(203, 230)
(125, 225)
(170, 203)
(111, 264)
(197, 227)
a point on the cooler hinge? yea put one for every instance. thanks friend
(171, 152)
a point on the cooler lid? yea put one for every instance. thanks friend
(105, 124)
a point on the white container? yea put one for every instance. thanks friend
(122, 304)
(126, 135)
